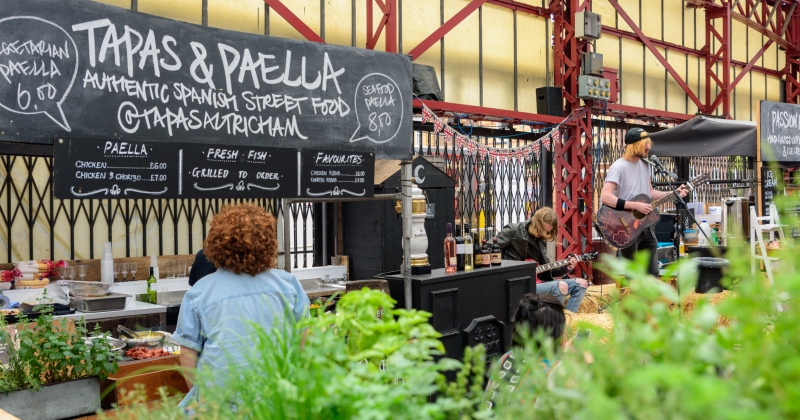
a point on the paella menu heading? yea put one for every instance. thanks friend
(79, 68)
(88, 168)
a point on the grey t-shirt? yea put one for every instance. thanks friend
(632, 179)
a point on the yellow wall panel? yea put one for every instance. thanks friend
(498, 57)
(691, 18)
(361, 23)
(609, 47)
(741, 104)
(759, 92)
(533, 49)
(631, 7)
(693, 79)
(306, 10)
(673, 21)
(608, 15)
(338, 27)
(461, 57)
(654, 94)
(773, 89)
(237, 15)
(739, 50)
(185, 10)
(631, 74)
(125, 4)
(771, 56)
(417, 26)
(651, 20)
(675, 95)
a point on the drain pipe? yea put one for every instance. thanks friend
(405, 182)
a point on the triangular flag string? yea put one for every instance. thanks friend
(462, 141)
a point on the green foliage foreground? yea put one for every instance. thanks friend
(656, 363)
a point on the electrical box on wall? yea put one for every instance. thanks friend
(591, 87)
(592, 63)
(587, 25)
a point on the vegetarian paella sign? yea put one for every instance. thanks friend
(78, 68)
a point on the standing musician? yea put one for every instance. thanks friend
(525, 241)
(628, 177)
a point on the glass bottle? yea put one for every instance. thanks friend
(151, 288)
(468, 250)
(459, 249)
(497, 257)
(477, 252)
(450, 259)
(681, 248)
(486, 250)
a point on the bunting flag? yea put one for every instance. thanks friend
(482, 150)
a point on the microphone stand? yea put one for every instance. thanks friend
(660, 170)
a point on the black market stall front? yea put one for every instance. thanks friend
(470, 307)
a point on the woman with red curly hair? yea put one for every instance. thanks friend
(216, 318)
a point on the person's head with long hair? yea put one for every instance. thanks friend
(243, 239)
(544, 224)
(540, 313)
(637, 143)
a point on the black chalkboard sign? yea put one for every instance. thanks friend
(78, 68)
(780, 132)
(115, 169)
(769, 187)
(336, 174)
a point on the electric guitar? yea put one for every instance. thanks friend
(589, 256)
(621, 228)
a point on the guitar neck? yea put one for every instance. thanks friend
(550, 266)
(663, 200)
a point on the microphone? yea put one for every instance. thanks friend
(654, 162)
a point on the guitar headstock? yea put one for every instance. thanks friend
(589, 256)
(700, 179)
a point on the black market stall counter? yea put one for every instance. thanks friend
(469, 307)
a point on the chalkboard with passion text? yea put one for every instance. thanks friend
(780, 132)
(79, 68)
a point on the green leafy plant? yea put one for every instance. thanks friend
(351, 364)
(47, 351)
(659, 363)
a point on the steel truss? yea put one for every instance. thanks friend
(778, 20)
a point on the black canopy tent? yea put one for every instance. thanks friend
(703, 136)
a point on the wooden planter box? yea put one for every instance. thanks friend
(56, 401)
(151, 373)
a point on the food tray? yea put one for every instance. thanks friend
(88, 288)
(112, 302)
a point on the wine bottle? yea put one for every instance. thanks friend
(152, 297)
(477, 252)
(459, 249)
(497, 256)
(468, 250)
(450, 259)
(486, 251)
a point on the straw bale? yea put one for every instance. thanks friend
(601, 320)
(598, 298)
(690, 303)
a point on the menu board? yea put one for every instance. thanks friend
(769, 187)
(779, 132)
(92, 168)
(336, 174)
(80, 68)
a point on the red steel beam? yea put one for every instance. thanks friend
(750, 64)
(444, 29)
(388, 21)
(723, 55)
(646, 41)
(758, 16)
(488, 114)
(521, 7)
(642, 113)
(293, 20)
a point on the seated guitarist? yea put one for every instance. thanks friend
(525, 241)
(628, 177)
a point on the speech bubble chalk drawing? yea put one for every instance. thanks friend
(38, 66)
(379, 109)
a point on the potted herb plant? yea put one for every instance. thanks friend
(52, 371)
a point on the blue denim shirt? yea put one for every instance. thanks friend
(217, 314)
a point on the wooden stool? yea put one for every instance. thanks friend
(382, 285)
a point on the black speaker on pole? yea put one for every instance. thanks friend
(550, 101)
